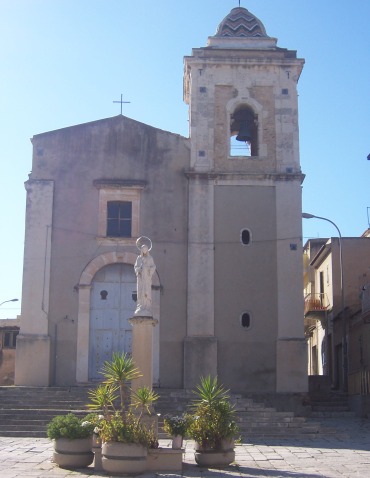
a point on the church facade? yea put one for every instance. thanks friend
(222, 209)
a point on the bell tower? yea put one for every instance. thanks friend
(245, 305)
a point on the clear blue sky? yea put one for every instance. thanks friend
(63, 62)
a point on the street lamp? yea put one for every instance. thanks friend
(10, 300)
(306, 215)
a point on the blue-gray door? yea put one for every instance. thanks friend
(111, 307)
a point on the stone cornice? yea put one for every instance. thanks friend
(119, 183)
(233, 176)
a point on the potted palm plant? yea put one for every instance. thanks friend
(72, 438)
(125, 439)
(213, 425)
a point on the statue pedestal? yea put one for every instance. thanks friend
(142, 349)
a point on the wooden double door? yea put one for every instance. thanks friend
(112, 304)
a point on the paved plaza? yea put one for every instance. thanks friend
(344, 454)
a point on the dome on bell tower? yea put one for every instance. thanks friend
(240, 23)
(241, 29)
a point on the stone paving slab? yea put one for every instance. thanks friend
(322, 457)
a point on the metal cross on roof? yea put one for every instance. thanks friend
(121, 102)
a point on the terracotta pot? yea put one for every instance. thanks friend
(74, 453)
(123, 458)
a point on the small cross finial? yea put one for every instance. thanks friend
(121, 102)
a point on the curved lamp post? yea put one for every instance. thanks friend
(10, 300)
(306, 215)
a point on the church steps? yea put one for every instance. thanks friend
(27, 411)
(331, 406)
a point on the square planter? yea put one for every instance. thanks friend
(164, 459)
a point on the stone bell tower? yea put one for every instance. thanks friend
(245, 305)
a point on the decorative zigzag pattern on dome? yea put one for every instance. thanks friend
(241, 23)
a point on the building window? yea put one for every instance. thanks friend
(245, 237)
(9, 339)
(119, 211)
(243, 132)
(119, 218)
(245, 320)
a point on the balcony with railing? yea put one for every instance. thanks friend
(316, 305)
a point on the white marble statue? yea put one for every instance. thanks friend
(144, 270)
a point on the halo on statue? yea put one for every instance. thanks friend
(144, 241)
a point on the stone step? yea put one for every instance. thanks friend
(280, 426)
(332, 397)
(52, 391)
(39, 427)
(26, 419)
(45, 406)
(265, 414)
(41, 412)
(333, 414)
(278, 432)
(256, 420)
(22, 433)
(326, 408)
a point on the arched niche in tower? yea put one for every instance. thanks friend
(243, 132)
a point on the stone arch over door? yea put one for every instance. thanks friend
(85, 286)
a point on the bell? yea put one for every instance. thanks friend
(245, 133)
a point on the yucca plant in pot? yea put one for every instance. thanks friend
(72, 439)
(213, 425)
(125, 439)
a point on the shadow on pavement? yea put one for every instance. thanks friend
(190, 470)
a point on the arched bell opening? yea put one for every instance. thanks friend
(243, 132)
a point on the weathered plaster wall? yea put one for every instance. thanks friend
(7, 366)
(121, 149)
(246, 358)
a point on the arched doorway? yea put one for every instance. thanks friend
(98, 280)
(112, 304)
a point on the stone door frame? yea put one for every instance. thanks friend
(84, 290)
